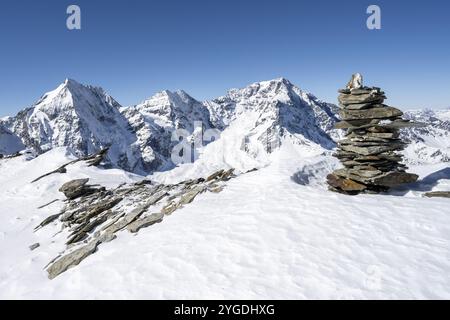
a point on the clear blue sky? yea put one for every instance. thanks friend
(134, 48)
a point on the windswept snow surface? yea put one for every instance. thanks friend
(271, 234)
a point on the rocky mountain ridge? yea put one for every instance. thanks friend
(142, 137)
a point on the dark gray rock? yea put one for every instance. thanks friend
(70, 260)
(34, 246)
(188, 197)
(215, 175)
(48, 220)
(347, 99)
(344, 184)
(355, 124)
(145, 222)
(370, 135)
(371, 150)
(74, 188)
(438, 194)
(359, 106)
(365, 172)
(373, 113)
(393, 179)
(389, 179)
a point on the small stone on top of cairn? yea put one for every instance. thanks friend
(369, 151)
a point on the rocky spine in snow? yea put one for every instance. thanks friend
(93, 215)
(369, 151)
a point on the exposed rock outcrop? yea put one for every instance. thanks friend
(93, 215)
(438, 194)
(77, 188)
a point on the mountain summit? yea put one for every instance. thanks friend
(279, 110)
(82, 118)
(155, 120)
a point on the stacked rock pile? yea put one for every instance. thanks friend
(369, 151)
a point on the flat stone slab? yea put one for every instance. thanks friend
(344, 184)
(145, 222)
(360, 106)
(384, 112)
(373, 97)
(388, 179)
(393, 179)
(438, 194)
(74, 184)
(371, 150)
(34, 246)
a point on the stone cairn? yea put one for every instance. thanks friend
(369, 151)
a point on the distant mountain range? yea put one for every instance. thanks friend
(85, 119)
(430, 144)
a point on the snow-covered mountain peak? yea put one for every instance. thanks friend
(167, 98)
(155, 120)
(173, 109)
(81, 117)
(279, 109)
(69, 81)
(277, 89)
(274, 92)
(71, 96)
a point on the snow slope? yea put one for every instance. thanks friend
(271, 234)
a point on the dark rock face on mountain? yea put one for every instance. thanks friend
(9, 142)
(369, 151)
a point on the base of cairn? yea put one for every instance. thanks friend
(369, 151)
